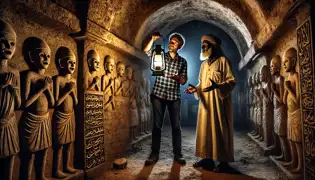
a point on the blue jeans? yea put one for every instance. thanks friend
(159, 106)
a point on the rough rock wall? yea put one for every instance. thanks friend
(53, 21)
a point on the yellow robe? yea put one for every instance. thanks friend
(214, 136)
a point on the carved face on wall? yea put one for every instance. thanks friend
(129, 72)
(289, 59)
(71, 63)
(66, 60)
(109, 64)
(93, 60)
(275, 65)
(41, 57)
(257, 78)
(120, 69)
(263, 75)
(7, 40)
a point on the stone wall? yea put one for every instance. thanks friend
(56, 23)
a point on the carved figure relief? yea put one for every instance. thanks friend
(64, 118)
(108, 83)
(258, 103)
(118, 84)
(250, 104)
(130, 91)
(92, 81)
(292, 99)
(38, 98)
(10, 99)
(280, 112)
(267, 113)
(142, 98)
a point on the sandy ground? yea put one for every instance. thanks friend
(249, 163)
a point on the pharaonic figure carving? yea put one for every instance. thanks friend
(292, 99)
(130, 91)
(280, 113)
(120, 78)
(92, 81)
(142, 98)
(254, 106)
(64, 118)
(38, 98)
(250, 104)
(10, 99)
(259, 103)
(108, 83)
(148, 106)
(267, 113)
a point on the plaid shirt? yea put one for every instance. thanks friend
(165, 87)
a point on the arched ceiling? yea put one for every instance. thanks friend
(177, 13)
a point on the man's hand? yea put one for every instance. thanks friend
(156, 36)
(212, 87)
(180, 79)
(190, 90)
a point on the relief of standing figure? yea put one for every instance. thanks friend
(38, 98)
(10, 99)
(64, 118)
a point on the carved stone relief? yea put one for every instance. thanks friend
(292, 100)
(129, 90)
(10, 99)
(306, 63)
(38, 97)
(64, 119)
(267, 113)
(94, 129)
(280, 110)
(92, 81)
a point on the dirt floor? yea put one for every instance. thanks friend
(249, 164)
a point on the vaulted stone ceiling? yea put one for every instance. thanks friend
(177, 13)
(133, 20)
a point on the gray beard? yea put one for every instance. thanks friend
(204, 55)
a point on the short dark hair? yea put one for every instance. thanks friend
(179, 37)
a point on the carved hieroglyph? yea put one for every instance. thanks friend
(306, 64)
(38, 98)
(94, 129)
(64, 119)
(10, 98)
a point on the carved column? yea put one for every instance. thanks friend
(306, 64)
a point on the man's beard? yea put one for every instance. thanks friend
(204, 55)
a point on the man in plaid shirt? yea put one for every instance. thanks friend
(166, 93)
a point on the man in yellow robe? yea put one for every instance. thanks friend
(214, 136)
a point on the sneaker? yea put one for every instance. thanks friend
(179, 159)
(153, 158)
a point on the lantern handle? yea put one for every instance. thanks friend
(163, 44)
